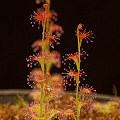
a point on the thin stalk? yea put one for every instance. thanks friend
(48, 10)
(43, 67)
(47, 103)
(74, 117)
(47, 23)
(47, 30)
(48, 47)
(77, 96)
(77, 101)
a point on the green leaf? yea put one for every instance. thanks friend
(36, 109)
(80, 104)
(68, 112)
(38, 118)
(52, 113)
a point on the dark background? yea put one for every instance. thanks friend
(101, 16)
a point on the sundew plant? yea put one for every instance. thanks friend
(49, 87)
(84, 93)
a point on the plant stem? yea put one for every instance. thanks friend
(74, 117)
(77, 81)
(47, 23)
(43, 67)
(41, 99)
(47, 103)
(77, 101)
(47, 30)
(48, 47)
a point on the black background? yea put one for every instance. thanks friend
(101, 16)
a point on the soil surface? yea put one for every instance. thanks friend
(11, 112)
